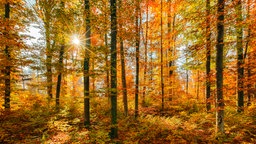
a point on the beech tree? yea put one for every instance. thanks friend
(61, 55)
(45, 10)
(7, 69)
(219, 66)
(122, 55)
(86, 64)
(137, 46)
(113, 73)
(208, 56)
(11, 44)
(240, 52)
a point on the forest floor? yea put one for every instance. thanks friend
(37, 121)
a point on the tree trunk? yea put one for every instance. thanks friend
(60, 67)
(219, 67)
(113, 93)
(198, 86)
(208, 57)
(249, 74)
(106, 56)
(240, 59)
(107, 66)
(123, 75)
(124, 78)
(59, 75)
(170, 50)
(137, 45)
(161, 57)
(8, 65)
(146, 59)
(48, 54)
(86, 65)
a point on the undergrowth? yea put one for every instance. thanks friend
(36, 120)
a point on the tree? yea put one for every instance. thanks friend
(86, 65)
(208, 56)
(145, 54)
(249, 55)
(161, 57)
(113, 73)
(61, 53)
(123, 74)
(7, 69)
(219, 67)
(240, 59)
(45, 11)
(137, 46)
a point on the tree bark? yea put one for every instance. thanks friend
(59, 75)
(124, 78)
(137, 45)
(219, 67)
(146, 58)
(60, 67)
(161, 57)
(86, 65)
(8, 65)
(48, 54)
(113, 73)
(123, 75)
(208, 57)
(240, 59)
(249, 70)
(106, 56)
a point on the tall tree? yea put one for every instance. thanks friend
(106, 51)
(8, 63)
(123, 78)
(208, 56)
(113, 72)
(219, 67)
(86, 64)
(61, 53)
(45, 11)
(248, 54)
(145, 55)
(49, 52)
(161, 56)
(123, 75)
(240, 59)
(137, 46)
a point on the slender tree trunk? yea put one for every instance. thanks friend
(208, 57)
(86, 65)
(170, 49)
(48, 55)
(106, 56)
(8, 65)
(60, 67)
(59, 75)
(240, 59)
(123, 75)
(187, 80)
(161, 57)
(107, 66)
(146, 59)
(93, 92)
(249, 74)
(137, 44)
(219, 67)
(198, 86)
(114, 128)
(123, 78)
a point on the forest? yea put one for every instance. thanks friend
(127, 71)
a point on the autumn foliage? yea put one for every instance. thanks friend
(142, 71)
